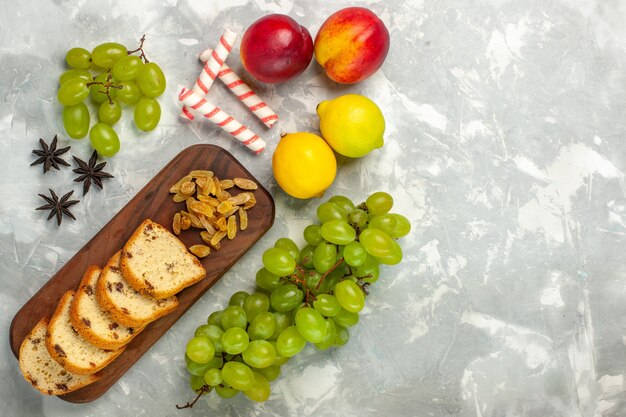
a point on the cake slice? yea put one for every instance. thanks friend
(92, 322)
(156, 262)
(69, 349)
(126, 305)
(44, 373)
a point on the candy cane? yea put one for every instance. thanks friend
(222, 119)
(243, 92)
(212, 67)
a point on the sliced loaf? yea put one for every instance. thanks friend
(69, 349)
(92, 322)
(156, 262)
(126, 305)
(44, 373)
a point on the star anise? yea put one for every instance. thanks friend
(49, 156)
(58, 207)
(90, 171)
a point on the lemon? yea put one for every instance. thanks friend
(304, 165)
(353, 125)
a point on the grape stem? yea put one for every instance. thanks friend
(203, 390)
(331, 269)
(142, 55)
(107, 86)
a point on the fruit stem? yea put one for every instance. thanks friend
(203, 390)
(142, 55)
(331, 269)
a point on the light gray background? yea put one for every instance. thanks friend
(504, 147)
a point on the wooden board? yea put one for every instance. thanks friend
(155, 202)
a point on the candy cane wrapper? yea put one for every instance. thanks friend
(216, 115)
(212, 66)
(243, 92)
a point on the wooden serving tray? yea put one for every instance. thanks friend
(154, 202)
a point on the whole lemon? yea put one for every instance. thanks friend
(353, 125)
(304, 165)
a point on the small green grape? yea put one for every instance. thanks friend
(78, 58)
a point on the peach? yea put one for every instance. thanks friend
(351, 45)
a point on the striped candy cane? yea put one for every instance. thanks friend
(212, 67)
(222, 119)
(243, 92)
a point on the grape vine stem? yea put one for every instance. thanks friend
(331, 269)
(142, 55)
(203, 390)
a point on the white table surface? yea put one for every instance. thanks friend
(504, 147)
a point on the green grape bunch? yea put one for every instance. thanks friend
(309, 295)
(111, 76)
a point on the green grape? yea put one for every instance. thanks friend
(346, 318)
(266, 280)
(75, 73)
(98, 91)
(280, 360)
(110, 112)
(255, 304)
(402, 227)
(327, 305)
(147, 114)
(200, 349)
(283, 320)
(385, 222)
(260, 390)
(312, 234)
(379, 203)
(107, 54)
(312, 278)
(235, 340)
(200, 369)
(306, 256)
(290, 342)
(324, 257)
(127, 68)
(342, 335)
(358, 218)
(286, 298)
(394, 257)
(368, 271)
(76, 120)
(259, 354)
(226, 392)
(215, 318)
(234, 316)
(329, 338)
(338, 232)
(151, 80)
(73, 91)
(310, 324)
(263, 326)
(129, 94)
(196, 382)
(279, 262)
(350, 296)
(213, 333)
(376, 242)
(213, 377)
(78, 58)
(238, 375)
(354, 254)
(288, 245)
(104, 139)
(270, 373)
(330, 211)
(344, 202)
(238, 298)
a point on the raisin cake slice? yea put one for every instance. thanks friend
(44, 373)
(126, 305)
(70, 349)
(156, 262)
(92, 322)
